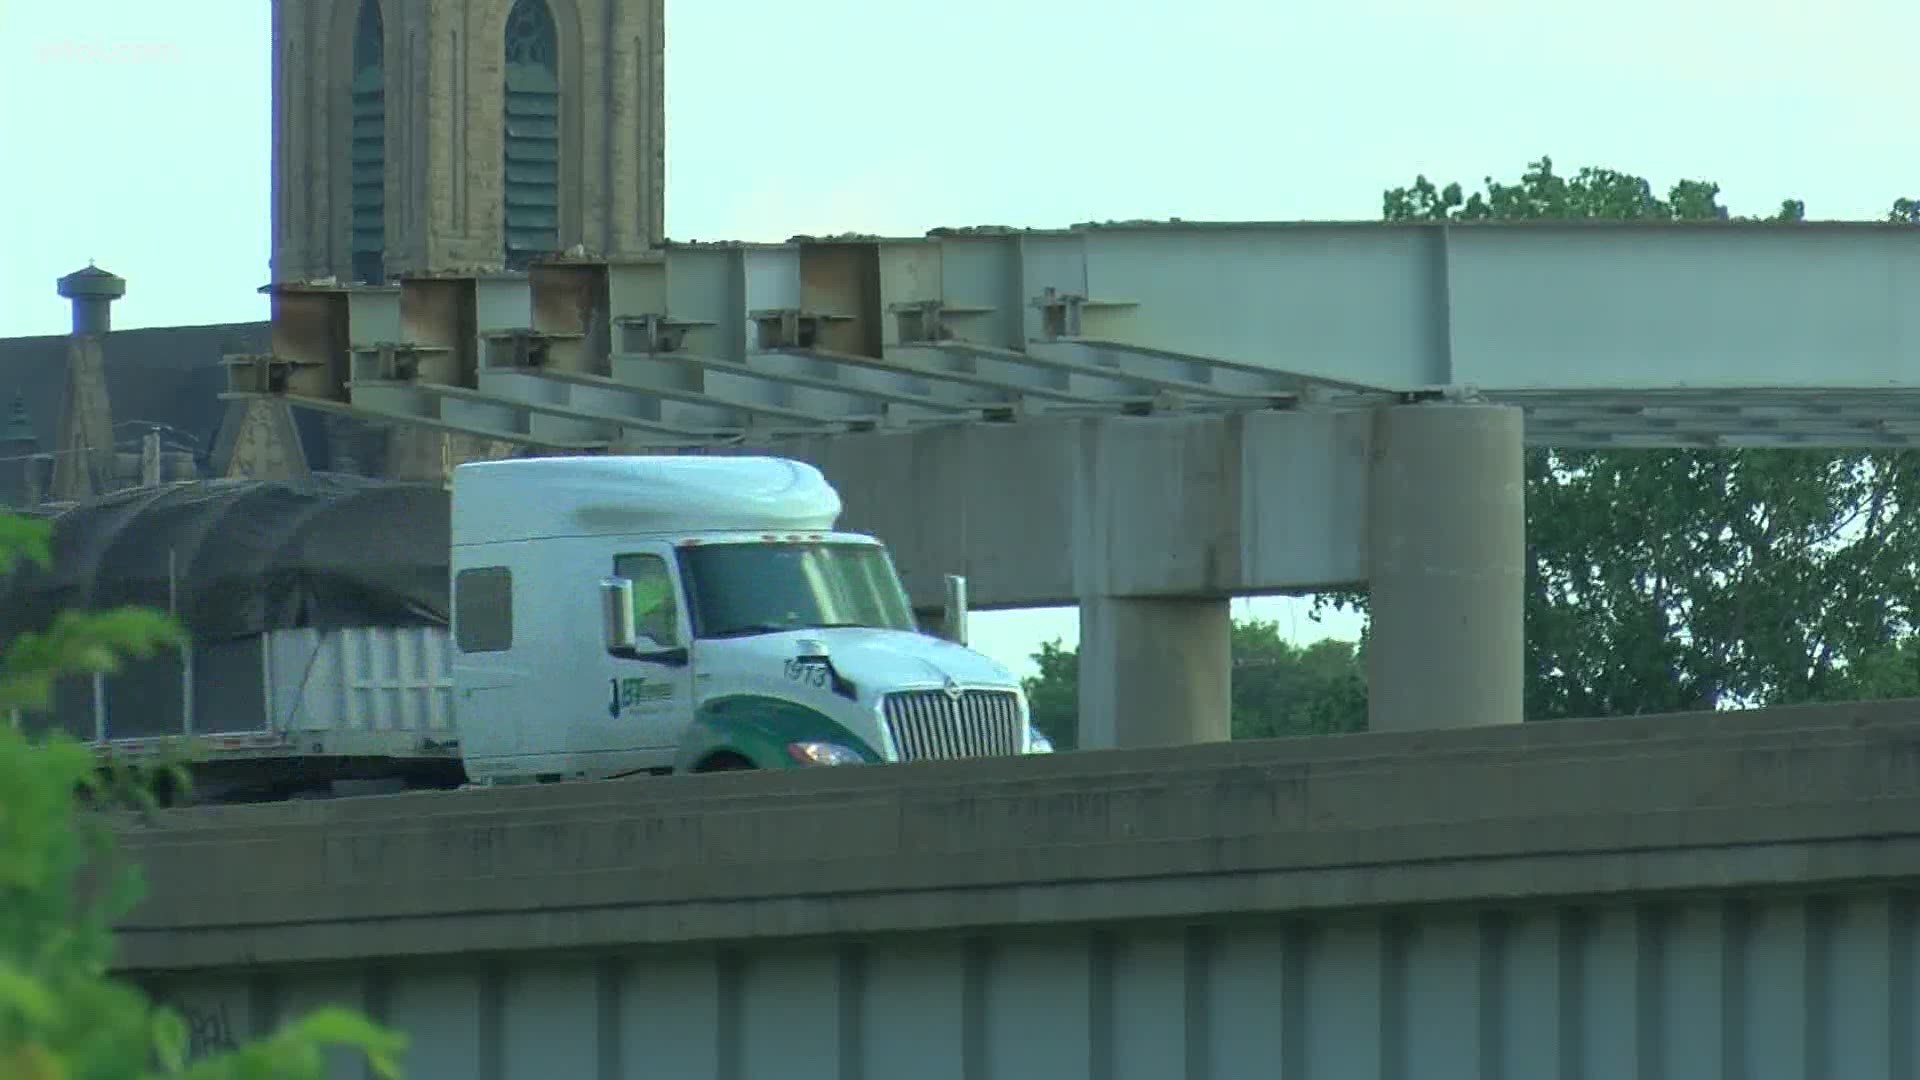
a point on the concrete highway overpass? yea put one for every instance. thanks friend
(1720, 895)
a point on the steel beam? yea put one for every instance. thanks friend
(1560, 306)
(1617, 334)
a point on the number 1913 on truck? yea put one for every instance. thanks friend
(614, 616)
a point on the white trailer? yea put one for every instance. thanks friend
(290, 712)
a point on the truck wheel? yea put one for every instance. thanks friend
(724, 762)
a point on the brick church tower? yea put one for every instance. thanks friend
(417, 136)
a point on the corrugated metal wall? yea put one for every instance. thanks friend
(1798, 987)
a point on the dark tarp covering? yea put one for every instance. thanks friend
(249, 556)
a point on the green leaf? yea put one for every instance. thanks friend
(31, 1062)
(24, 539)
(341, 1027)
(24, 997)
(169, 1035)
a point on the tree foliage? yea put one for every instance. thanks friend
(1278, 688)
(1053, 694)
(62, 887)
(1688, 579)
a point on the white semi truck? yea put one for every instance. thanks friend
(622, 615)
(550, 619)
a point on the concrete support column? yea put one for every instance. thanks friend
(1154, 672)
(1446, 564)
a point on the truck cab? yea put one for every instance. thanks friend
(622, 615)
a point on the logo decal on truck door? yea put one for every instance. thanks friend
(628, 693)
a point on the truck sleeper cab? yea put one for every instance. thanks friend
(618, 615)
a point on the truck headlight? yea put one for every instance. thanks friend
(1038, 743)
(822, 753)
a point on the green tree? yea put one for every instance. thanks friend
(1053, 694)
(1891, 670)
(62, 886)
(1282, 689)
(1664, 580)
(1279, 688)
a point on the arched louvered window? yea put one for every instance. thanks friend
(369, 147)
(532, 188)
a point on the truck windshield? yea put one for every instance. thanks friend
(740, 589)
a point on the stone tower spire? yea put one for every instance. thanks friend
(84, 465)
(415, 136)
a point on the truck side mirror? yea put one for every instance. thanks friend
(616, 610)
(954, 619)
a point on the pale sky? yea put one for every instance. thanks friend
(135, 132)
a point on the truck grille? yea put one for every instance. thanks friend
(929, 725)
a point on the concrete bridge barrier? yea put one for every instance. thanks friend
(1652, 896)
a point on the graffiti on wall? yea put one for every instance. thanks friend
(210, 1021)
(209, 1029)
